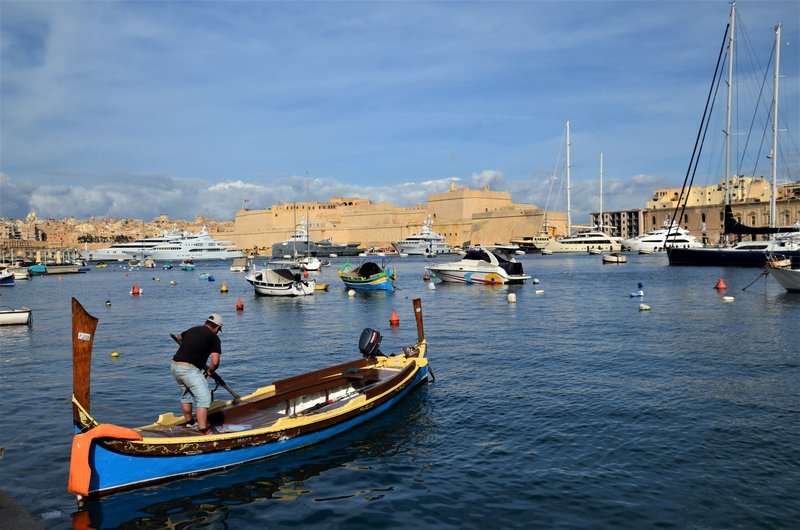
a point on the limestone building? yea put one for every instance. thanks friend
(462, 216)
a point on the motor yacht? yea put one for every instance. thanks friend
(657, 240)
(490, 266)
(426, 243)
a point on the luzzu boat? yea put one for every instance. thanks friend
(286, 415)
(368, 276)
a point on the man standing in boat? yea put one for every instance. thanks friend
(197, 344)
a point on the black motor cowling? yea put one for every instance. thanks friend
(370, 343)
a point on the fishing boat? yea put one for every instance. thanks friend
(283, 416)
(279, 282)
(239, 265)
(369, 276)
(188, 265)
(15, 317)
(784, 240)
(486, 265)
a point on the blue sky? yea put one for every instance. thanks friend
(133, 109)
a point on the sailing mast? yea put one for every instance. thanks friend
(728, 109)
(569, 210)
(601, 191)
(774, 163)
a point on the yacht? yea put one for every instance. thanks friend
(172, 245)
(426, 243)
(490, 266)
(585, 240)
(657, 240)
(300, 244)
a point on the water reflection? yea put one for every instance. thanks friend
(207, 501)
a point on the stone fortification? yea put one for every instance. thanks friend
(461, 215)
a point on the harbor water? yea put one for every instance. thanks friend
(569, 408)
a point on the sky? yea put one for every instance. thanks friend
(136, 109)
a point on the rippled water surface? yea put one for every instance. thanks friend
(570, 408)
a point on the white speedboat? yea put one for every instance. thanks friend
(658, 240)
(583, 241)
(172, 245)
(482, 265)
(426, 243)
(279, 282)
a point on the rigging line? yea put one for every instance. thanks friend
(712, 90)
(764, 273)
(753, 120)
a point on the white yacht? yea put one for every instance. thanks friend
(657, 240)
(171, 245)
(426, 243)
(585, 240)
(495, 266)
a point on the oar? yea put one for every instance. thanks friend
(216, 377)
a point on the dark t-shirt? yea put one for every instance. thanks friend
(197, 344)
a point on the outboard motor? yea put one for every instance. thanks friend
(370, 343)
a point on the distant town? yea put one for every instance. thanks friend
(463, 216)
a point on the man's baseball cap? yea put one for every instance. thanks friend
(215, 319)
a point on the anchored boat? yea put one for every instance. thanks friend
(283, 416)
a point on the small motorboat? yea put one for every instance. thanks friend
(486, 265)
(188, 265)
(279, 282)
(15, 317)
(6, 277)
(614, 257)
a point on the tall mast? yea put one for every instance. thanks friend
(569, 210)
(728, 119)
(774, 164)
(601, 191)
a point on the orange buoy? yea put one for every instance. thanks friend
(427, 277)
(394, 320)
(720, 285)
(239, 305)
(305, 274)
(135, 291)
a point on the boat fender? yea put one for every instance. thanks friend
(80, 472)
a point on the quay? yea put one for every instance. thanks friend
(14, 517)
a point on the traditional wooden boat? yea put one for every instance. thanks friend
(368, 276)
(286, 415)
(15, 317)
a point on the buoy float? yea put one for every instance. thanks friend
(224, 288)
(644, 307)
(351, 293)
(728, 299)
(426, 277)
(135, 291)
(431, 286)
(394, 320)
(720, 285)
(239, 305)
(108, 302)
(173, 282)
(305, 274)
(512, 298)
(114, 354)
(539, 291)
(536, 281)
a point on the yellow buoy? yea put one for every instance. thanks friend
(114, 354)
(224, 288)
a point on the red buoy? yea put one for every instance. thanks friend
(305, 274)
(720, 285)
(426, 277)
(394, 320)
(239, 305)
(135, 291)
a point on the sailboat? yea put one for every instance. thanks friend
(784, 241)
(583, 239)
